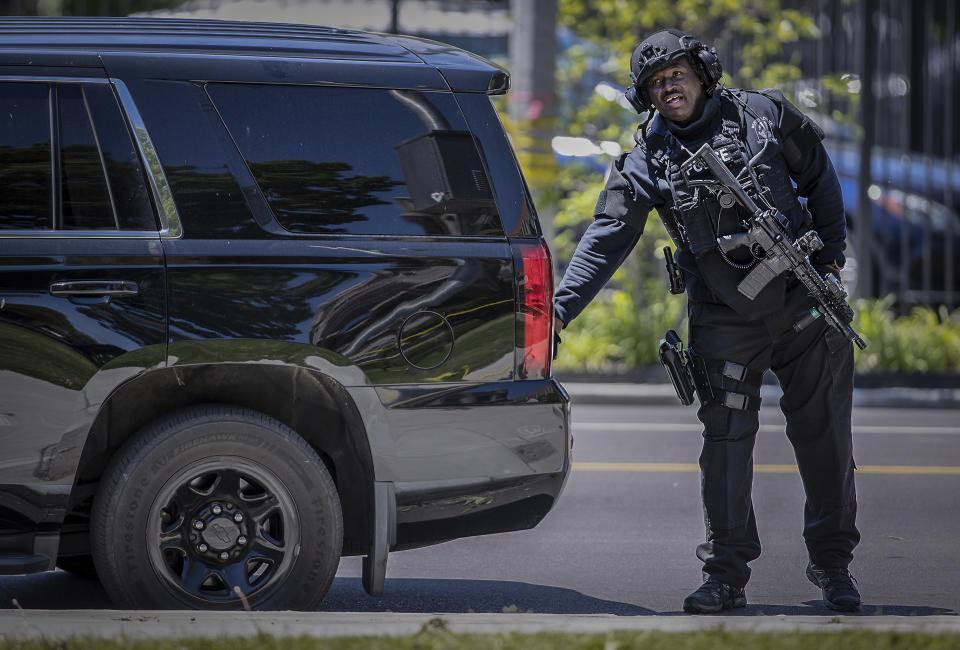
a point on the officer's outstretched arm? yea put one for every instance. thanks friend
(601, 251)
(619, 218)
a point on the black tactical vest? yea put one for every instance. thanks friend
(699, 215)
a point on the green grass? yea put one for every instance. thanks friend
(436, 637)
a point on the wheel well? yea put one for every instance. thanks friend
(313, 405)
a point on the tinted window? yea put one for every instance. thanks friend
(25, 170)
(360, 160)
(124, 173)
(196, 155)
(101, 182)
(86, 201)
(516, 208)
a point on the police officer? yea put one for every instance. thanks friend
(676, 80)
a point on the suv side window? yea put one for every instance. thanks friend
(198, 159)
(99, 184)
(25, 172)
(125, 174)
(360, 160)
(86, 201)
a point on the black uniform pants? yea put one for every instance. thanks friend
(815, 369)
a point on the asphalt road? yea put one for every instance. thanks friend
(621, 540)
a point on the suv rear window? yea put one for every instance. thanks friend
(99, 184)
(360, 160)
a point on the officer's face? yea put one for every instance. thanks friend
(676, 91)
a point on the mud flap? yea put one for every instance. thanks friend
(384, 536)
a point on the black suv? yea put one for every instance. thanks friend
(269, 295)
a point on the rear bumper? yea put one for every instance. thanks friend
(472, 459)
(428, 514)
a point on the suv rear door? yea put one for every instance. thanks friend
(319, 232)
(81, 279)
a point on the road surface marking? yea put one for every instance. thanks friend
(762, 469)
(696, 428)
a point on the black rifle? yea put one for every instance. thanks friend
(769, 239)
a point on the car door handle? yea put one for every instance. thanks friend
(94, 288)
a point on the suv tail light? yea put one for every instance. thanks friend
(535, 310)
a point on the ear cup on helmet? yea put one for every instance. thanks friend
(637, 98)
(712, 69)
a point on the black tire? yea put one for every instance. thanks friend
(79, 565)
(211, 498)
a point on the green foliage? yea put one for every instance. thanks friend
(925, 340)
(616, 334)
(750, 32)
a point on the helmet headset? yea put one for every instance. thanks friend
(660, 49)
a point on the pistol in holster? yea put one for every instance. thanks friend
(687, 369)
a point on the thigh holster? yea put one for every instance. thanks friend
(734, 385)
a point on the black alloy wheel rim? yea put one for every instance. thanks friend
(223, 530)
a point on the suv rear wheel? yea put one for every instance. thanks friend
(217, 507)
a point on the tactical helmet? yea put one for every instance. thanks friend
(661, 48)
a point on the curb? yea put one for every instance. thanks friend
(652, 394)
(112, 624)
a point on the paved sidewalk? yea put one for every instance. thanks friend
(112, 624)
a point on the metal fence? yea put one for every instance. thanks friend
(884, 75)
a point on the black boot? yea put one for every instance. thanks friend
(838, 586)
(714, 596)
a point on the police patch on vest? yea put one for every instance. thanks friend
(764, 128)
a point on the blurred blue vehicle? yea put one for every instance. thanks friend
(915, 223)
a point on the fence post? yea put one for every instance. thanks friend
(864, 225)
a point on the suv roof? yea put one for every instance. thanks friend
(91, 41)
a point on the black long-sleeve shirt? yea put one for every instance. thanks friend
(634, 188)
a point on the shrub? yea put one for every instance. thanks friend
(617, 334)
(925, 340)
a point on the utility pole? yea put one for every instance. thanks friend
(532, 99)
(394, 16)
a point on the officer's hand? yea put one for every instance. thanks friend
(557, 326)
(823, 269)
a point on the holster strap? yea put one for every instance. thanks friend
(734, 385)
(738, 401)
